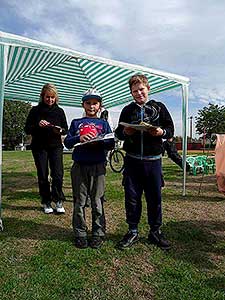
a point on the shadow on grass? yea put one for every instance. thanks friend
(217, 283)
(199, 186)
(18, 196)
(17, 180)
(192, 195)
(24, 229)
(196, 241)
(19, 188)
(22, 207)
(28, 197)
(31, 230)
(204, 198)
(19, 175)
(172, 172)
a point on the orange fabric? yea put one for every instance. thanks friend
(220, 162)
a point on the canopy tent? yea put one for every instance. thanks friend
(26, 65)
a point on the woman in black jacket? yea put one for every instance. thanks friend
(46, 123)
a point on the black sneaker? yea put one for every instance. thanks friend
(96, 242)
(81, 242)
(128, 240)
(157, 238)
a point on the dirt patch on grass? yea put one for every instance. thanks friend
(27, 246)
(129, 272)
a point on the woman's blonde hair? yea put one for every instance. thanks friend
(49, 87)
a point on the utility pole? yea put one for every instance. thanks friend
(191, 127)
(204, 140)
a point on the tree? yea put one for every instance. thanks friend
(210, 120)
(14, 118)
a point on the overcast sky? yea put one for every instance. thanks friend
(185, 37)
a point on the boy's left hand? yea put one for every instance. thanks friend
(155, 131)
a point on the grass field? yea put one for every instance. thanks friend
(39, 260)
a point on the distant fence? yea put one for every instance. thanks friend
(190, 146)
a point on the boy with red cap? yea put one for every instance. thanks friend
(89, 168)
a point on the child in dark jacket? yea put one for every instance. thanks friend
(88, 135)
(142, 167)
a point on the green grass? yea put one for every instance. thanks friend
(39, 260)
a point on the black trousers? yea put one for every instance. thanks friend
(170, 148)
(44, 159)
(143, 176)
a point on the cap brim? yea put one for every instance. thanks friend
(87, 97)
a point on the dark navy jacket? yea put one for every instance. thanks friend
(141, 143)
(91, 153)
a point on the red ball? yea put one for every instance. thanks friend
(88, 129)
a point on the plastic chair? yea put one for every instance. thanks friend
(203, 159)
(196, 164)
(200, 164)
(210, 164)
(191, 161)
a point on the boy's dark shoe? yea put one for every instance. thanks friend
(81, 242)
(96, 242)
(157, 238)
(128, 240)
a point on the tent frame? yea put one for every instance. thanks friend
(7, 40)
(3, 67)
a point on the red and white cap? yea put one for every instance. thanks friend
(92, 93)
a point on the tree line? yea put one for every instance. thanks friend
(14, 117)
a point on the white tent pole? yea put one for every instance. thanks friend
(3, 64)
(184, 131)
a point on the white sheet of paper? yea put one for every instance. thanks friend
(97, 139)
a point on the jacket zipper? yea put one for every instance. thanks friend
(142, 132)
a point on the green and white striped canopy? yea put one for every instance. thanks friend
(26, 65)
(30, 64)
